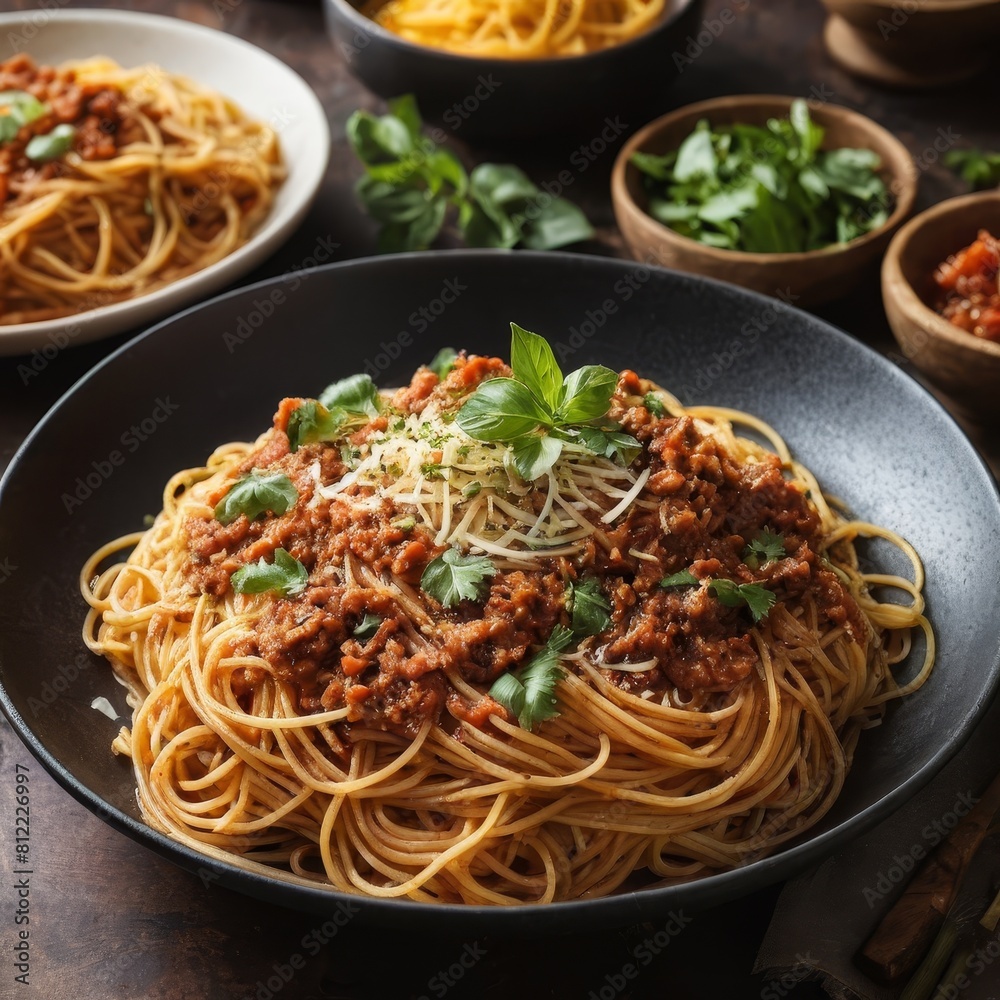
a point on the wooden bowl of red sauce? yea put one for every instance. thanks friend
(942, 300)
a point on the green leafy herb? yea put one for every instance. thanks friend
(453, 577)
(765, 189)
(591, 610)
(411, 185)
(538, 409)
(654, 404)
(768, 545)
(312, 421)
(443, 362)
(285, 576)
(529, 693)
(368, 626)
(22, 109)
(50, 146)
(757, 598)
(255, 494)
(978, 168)
(355, 394)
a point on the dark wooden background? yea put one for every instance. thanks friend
(110, 919)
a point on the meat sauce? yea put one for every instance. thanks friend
(100, 117)
(707, 508)
(969, 295)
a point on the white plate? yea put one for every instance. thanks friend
(264, 88)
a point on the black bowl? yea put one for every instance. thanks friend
(98, 461)
(521, 99)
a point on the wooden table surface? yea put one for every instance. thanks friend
(110, 919)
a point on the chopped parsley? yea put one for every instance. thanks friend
(443, 362)
(766, 547)
(368, 626)
(758, 599)
(529, 693)
(590, 610)
(654, 404)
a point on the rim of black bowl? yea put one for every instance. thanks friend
(674, 10)
(628, 907)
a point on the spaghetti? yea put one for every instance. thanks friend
(353, 732)
(517, 29)
(115, 182)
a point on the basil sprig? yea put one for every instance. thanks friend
(339, 404)
(539, 409)
(411, 186)
(530, 693)
(255, 494)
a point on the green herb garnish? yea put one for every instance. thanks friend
(529, 693)
(978, 168)
(411, 185)
(765, 190)
(368, 626)
(591, 611)
(767, 546)
(443, 362)
(453, 577)
(286, 576)
(758, 599)
(312, 421)
(255, 494)
(22, 109)
(355, 394)
(654, 404)
(50, 146)
(538, 409)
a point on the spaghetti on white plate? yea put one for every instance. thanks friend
(115, 182)
(498, 637)
(517, 29)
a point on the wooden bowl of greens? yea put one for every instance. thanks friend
(766, 192)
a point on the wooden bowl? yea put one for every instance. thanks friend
(917, 44)
(803, 278)
(965, 366)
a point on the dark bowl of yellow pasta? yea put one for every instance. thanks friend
(520, 68)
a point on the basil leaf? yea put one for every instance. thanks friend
(285, 576)
(586, 394)
(255, 494)
(355, 394)
(501, 409)
(368, 626)
(405, 109)
(534, 364)
(696, 155)
(556, 224)
(312, 421)
(480, 230)
(685, 578)
(757, 598)
(50, 146)
(534, 455)
(609, 443)
(453, 577)
(24, 108)
(591, 613)
(508, 691)
(443, 362)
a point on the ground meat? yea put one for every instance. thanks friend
(700, 509)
